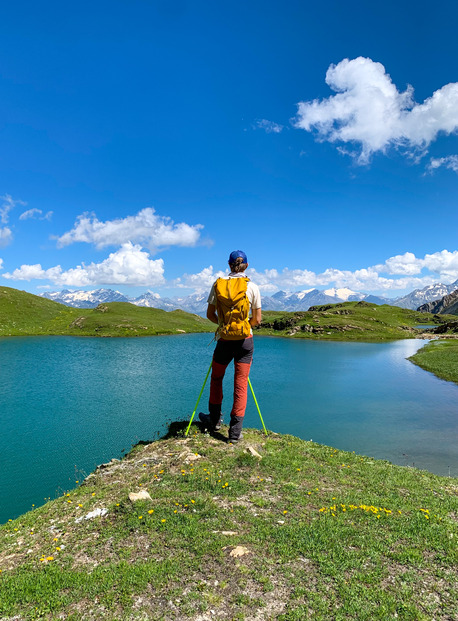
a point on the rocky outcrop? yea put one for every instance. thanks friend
(448, 305)
(451, 327)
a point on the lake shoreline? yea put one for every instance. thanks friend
(357, 396)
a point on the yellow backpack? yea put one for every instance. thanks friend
(232, 307)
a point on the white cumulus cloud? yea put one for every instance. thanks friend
(130, 265)
(369, 110)
(201, 281)
(146, 228)
(397, 273)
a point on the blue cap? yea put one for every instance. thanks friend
(236, 254)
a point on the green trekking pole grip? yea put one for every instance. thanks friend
(200, 394)
(255, 400)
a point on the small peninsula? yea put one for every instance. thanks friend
(273, 528)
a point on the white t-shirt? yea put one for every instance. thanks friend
(252, 292)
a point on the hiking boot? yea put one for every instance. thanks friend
(235, 429)
(206, 420)
(235, 440)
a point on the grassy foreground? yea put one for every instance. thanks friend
(272, 528)
(25, 314)
(439, 357)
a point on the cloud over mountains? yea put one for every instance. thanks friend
(146, 228)
(130, 265)
(400, 272)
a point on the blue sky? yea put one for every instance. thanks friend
(142, 141)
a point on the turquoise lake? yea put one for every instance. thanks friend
(69, 404)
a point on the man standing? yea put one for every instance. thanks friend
(229, 304)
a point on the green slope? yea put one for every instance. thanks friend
(24, 314)
(348, 321)
(124, 319)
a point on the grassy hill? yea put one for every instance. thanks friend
(124, 319)
(23, 313)
(272, 528)
(348, 321)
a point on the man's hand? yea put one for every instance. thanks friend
(256, 317)
(211, 313)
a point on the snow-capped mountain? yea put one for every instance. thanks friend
(194, 303)
(428, 294)
(153, 300)
(299, 300)
(85, 299)
(280, 301)
(447, 305)
(303, 300)
(344, 294)
(197, 302)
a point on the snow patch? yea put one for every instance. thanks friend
(343, 293)
(302, 294)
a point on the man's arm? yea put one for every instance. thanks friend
(256, 317)
(211, 313)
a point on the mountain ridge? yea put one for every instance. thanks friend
(447, 305)
(197, 302)
(280, 301)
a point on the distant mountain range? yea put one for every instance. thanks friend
(419, 297)
(282, 300)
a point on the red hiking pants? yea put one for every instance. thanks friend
(242, 354)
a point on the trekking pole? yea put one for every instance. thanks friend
(198, 399)
(255, 400)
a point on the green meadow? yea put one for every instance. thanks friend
(272, 528)
(348, 321)
(24, 314)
